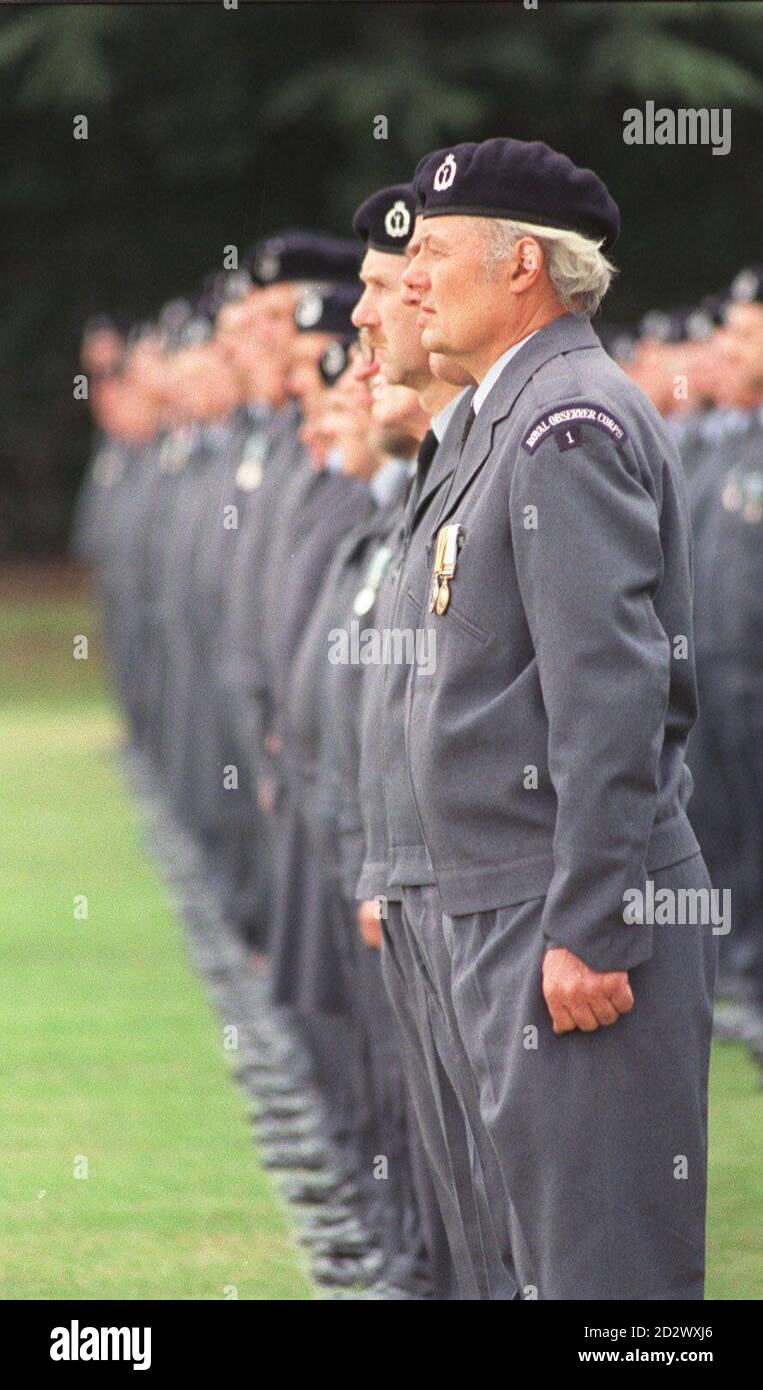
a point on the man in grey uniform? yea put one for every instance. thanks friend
(281, 266)
(728, 515)
(395, 854)
(546, 748)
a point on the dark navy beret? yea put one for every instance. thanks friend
(196, 330)
(715, 306)
(213, 293)
(702, 321)
(618, 339)
(236, 286)
(139, 330)
(328, 310)
(666, 325)
(521, 181)
(747, 286)
(174, 315)
(109, 323)
(300, 255)
(99, 323)
(385, 220)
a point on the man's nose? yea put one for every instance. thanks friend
(362, 315)
(410, 294)
(414, 281)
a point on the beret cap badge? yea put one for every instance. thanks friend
(333, 362)
(309, 311)
(445, 173)
(267, 266)
(397, 223)
(385, 219)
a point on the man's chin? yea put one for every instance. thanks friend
(393, 375)
(431, 340)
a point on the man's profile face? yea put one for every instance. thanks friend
(304, 381)
(274, 318)
(389, 323)
(459, 308)
(205, 387)
(275, 331)
(739, 350)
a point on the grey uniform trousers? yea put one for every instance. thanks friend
(384, 1123)
(435, 1080)
(599, 1139)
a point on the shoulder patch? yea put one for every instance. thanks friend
(564, 423)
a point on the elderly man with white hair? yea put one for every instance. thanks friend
(546, 748)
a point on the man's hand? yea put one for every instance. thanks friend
(266, 794)
(579, 997)
(369, 921)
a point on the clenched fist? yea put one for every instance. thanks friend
(579, 997)
(369, 921)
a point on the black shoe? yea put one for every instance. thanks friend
(277, 1087)
(287, 1131)
(284, 1108)
(323, 1218)
(305, 1153)
(319, 1189)
(346, 1238)
(344, 1247)
(260, 1066)
(382, 1291)
(348, 1273)
(254, 1073)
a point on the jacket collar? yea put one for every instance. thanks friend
(570, 333)
(445, 458)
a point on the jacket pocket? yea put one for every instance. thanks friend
(451, 615)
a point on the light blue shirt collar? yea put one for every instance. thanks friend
(386, 478)
(334, 460)
(493, 373)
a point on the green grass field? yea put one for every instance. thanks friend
(111, 1052)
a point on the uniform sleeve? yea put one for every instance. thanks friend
(243, 666)
(589, 562)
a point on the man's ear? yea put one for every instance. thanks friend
(527, 263)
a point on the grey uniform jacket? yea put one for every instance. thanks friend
(395, 852)
(339, 757)
(242, 635)
(546, 748)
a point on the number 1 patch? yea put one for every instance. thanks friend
(564, 423)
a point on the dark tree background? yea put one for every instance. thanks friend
(209, 126)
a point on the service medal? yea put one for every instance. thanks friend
(732, 497)
(364, 601)
(443, 598)
(249, 475)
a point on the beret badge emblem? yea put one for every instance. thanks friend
(445, 173)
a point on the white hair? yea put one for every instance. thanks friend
(579, 272)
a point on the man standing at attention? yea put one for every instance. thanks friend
(546, 748)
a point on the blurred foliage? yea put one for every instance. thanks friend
(209, 126)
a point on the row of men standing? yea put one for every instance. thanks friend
(264, 528)
(703, 368)
(227, 546)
